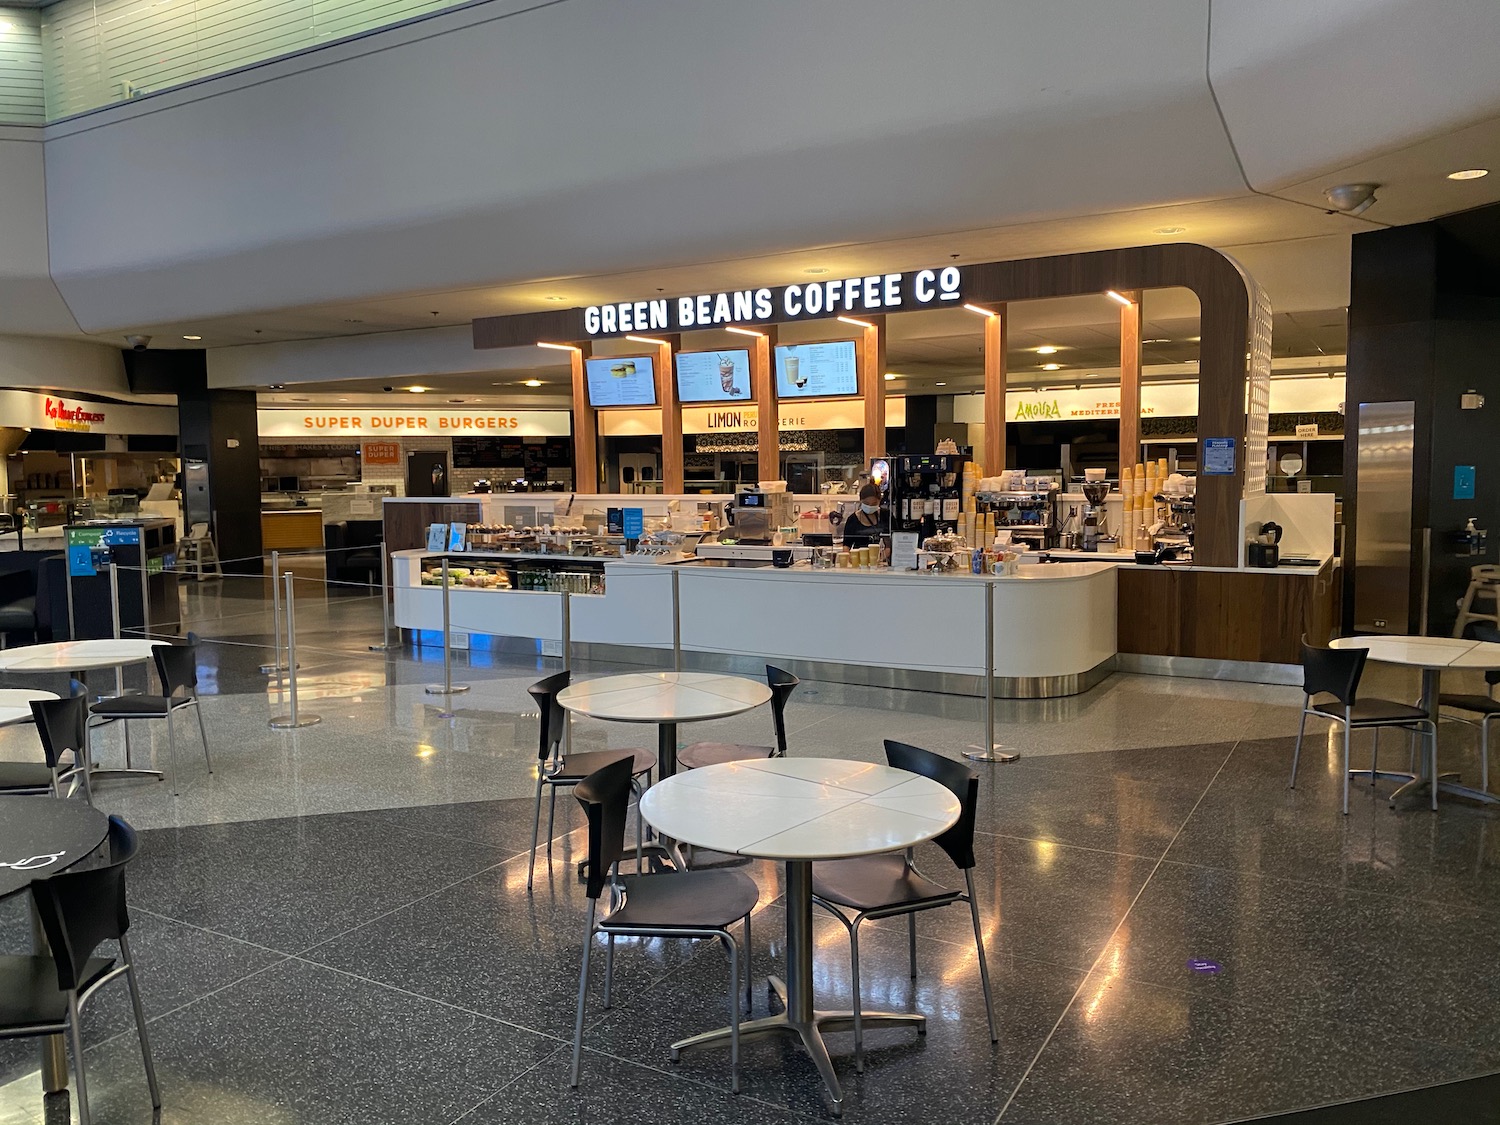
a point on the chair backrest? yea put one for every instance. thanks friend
(605, 795)
(1333, 671)
(177, 665)
(79, 909)
(959, 779)
(553, 720)
(198, 531)
(61, 724)
(782, 684)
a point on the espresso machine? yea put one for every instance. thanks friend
(754, 516)
(1095, 515)
(1030, 517)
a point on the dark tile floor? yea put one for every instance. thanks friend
(390, 967)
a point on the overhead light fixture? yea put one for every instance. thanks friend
(1047, 349)
(980, 311)
(853, 320)
(192, 337)
(1170, 230)
(889, 375)
(1120, 297)
(1351, 199)
(1161, 340)
(554, 298)
(278, 386)
(645, 340)
(815, 270)
(1469, 174)
(745, 332)
(6, 25)
(556, 347)
(1051, 367)
(531, 382)
(940, 384)
(417, 389)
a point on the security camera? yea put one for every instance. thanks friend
(387, 388)
(138, 343)
(1351, 199)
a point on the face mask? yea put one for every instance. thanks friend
(869, 509)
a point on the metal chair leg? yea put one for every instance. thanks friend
(140, 1022)
(911, 942)
(536, 824)
(734, 1015)
(984, 968)
(609, 971)
(1432, 727)
(172, 752)
(76, 1034)
(1346, 769)
(203, 733)
(125, 729)
(1297, 753)
(583, 989)
(859, 1038)
(551, 817)
(1484, 753)
(749, 955)
(1375, 758)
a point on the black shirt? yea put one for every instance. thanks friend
(860, 534)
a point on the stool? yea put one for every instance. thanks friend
(196, 552)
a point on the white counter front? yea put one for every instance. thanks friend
(1054, 625)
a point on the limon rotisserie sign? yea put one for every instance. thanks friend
(832, 415)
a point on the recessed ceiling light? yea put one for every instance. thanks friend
(1158, 341)
(555, 298)
(352, 320)
(455, 401)
(531, 382)
(278, 386)
(417, 390)
(889, 375)
(1051, 366)
(343, 400)
(1469, 174)
(1170, 230)
(1046, 349)
(192, 337)
(940, 384)
(6, 25)
(815, 269)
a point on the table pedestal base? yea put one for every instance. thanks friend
(800, 1018)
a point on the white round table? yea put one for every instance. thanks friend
(77, 657)
(799, 810)
(15, 704)
(666, 699)
(1432, 655)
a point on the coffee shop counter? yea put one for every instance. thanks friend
(1054, 626)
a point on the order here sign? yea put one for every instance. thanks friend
(355, 424)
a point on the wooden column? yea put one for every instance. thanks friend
(1130, 382)
(996, 337)
(767, 409)
(671, 412)
(585, 427)
(870, 343)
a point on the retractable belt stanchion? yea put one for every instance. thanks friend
(567, 663)
(447, 687)
(386, 644)
(990, 751)
(294, 718)
(277, 664)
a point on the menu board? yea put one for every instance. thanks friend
(816, 370)
(621, 381)
(714, 376)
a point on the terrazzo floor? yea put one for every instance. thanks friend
(334, 926)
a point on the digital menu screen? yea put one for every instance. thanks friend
(816, 370)
(621, 381)
(714, 376)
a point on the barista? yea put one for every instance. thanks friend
(869, 521)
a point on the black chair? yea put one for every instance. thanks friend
(1336, 672)
(782, 684)
(352, 549)
(61, 727)
(685, 904)
(555, 771)
(44, 995)
(17, 604)
(177, 667)
(889, 885)
(1487, 707)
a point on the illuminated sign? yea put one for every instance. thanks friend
(844, 296)
(356, 424)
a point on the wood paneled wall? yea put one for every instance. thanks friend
(1130, 382)
(767, 408)
(996, 342)
(871, 344)
(585, 426)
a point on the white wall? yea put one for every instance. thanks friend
(29, 301)
(21, 100)
(394, 355)
(70, 366)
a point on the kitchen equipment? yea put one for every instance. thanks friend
(781, 558)
(1096, 514)
(1264, 550)
(1029, 516)
(756, 516)
(926, 493)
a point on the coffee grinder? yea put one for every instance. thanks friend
(1096, 516)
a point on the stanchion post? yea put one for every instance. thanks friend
(276, 664)
(990, 751)
(386, 643)
(295, 718)
(447, 687)
(567, 631)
